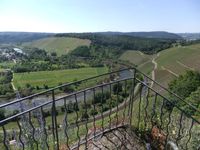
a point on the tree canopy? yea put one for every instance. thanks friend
(188, 87)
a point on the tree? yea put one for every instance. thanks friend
(117, 88)
(53, 54)
(101, 97)
(46, 86)
(194, 99)
(185, 84)
(82, 51)
(2, 114)
(93, 112)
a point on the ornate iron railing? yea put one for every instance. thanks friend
(110, 103)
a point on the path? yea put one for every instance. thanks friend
(170, 71)
(141, 53)
(155, 67)
(13, 86)
(180, 63)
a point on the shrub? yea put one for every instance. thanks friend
(93, 112)
(117, 88)
(101, 97)
(2, 114)
(84, 116)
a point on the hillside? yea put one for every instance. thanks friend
(135, 57)
(60, 45)
(117, 44)
(141, 60)
(179, 59)
(170, 62)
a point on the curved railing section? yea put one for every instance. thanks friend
(127, 98)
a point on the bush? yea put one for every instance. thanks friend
(46, 86)
(85, 106)
(124, 95)
(101, 98)
(84, 116)
(117, 88)
(105, 108)
(82, 51)
(2, 114)
(68, 89)
(93, 112)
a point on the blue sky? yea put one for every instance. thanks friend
(100, 15)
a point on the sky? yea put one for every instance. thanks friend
(100, 15)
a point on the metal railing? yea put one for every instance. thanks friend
(98, 106)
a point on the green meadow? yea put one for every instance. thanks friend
(60, 45)
(53, 78)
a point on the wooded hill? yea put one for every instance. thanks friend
(118, 43)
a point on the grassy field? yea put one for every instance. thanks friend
(180, 59)
(175, 61)
(141, 60)
(7, 65)
(135, 57)
(53, 78)
(171, 62)
(146, 67)
(60, 45)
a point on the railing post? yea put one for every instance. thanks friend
(54, 123)
(132, 97)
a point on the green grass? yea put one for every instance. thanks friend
(135, 57)
(180, 59)
(53, 78)
(60, 45)
(177, 60)
(7, 65)
(146, 67)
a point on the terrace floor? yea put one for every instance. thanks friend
(120, 138)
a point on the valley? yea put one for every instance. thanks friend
(91, 75)
(61, 58)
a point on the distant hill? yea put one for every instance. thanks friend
(190, 36)
(18, 37)
(118, 43)
(60, 45)
(154, 34)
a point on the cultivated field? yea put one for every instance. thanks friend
(146, 67)
(180, 59)
(170, 62)
(53, 78)
(175, 61)
(135, 57)
(60, 45)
